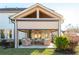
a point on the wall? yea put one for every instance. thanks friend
(5, 22)
(37, 25)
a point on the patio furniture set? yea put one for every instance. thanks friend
(28, 42)
(7, 43)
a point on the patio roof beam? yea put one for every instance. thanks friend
(40, 19)
(37, 13)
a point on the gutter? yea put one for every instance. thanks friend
(11, 19)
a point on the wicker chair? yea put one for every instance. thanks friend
(26, 42)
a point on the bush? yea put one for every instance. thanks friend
(73, 42)
(61, 42)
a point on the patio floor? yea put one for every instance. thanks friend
(38, 46)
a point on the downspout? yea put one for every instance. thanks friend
(13, 29)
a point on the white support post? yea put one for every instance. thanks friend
(16, 39)
(37, 13)
(0, 34)
(59, 28)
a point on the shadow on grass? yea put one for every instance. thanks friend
(64, 52)
(34, 51)
(21, 51)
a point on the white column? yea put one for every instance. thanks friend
(0, 34)
(16, 38)
(59, 28)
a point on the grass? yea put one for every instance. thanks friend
(77, 50)
(25, 51)
(31, 51)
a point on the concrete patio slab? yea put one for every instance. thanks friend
(38, 46)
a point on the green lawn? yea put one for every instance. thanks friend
(31, 51)
(25, 51)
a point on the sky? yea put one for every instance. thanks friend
(70, 11)
(40, 1)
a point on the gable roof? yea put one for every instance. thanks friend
(11, 10)
(33, 6)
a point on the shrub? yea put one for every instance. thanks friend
(61, 42)
(73, 42)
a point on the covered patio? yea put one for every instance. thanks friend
(38, 25)
(37, 38)
(37, 35)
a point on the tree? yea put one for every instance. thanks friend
(74, 29)
(2, 34)
(10, 34)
